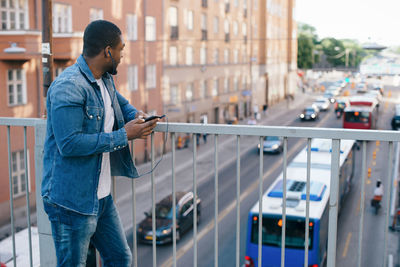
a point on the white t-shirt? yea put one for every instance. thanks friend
(378, 191)
(104, 187)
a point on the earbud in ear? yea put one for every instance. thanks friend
(109, 53)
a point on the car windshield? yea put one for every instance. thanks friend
(272, 138)
(309, 110)
(320, 101)
(328, 94)
(163, 211)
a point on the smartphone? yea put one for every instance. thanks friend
(153, 117)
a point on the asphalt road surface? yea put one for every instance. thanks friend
(348, 225)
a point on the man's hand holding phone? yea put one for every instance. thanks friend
(141, 128)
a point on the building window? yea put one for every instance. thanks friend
(189, 55)
(59, 70)
(216, 24)
(203, 21)
(131, 27)
(95, 14)
(216, 56)
(226, 56)
(18, 172)
(214, 91)
(235, 83)
(236, 3)
(173, 16)
(235, 28)
(189, 92)
(189, 22)
(255, 5)
(203, 56)
(226, 26)
(203, 89)
(244, 29)
(236, 56)
(150, 28)
(14, 14)
(133, 77)
(151, 76)
(16, 84)
(174, 94)
(226, 85)
(173, 55)
(62, 18)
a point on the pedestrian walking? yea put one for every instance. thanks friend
(88, 127)
(205, 138)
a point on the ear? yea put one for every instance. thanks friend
(107, 51)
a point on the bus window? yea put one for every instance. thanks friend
(357, 116)
(272, 231)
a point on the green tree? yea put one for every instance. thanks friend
(306, 41)
(305, 48)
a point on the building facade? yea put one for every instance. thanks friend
(209, 61)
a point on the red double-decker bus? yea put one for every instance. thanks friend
(361, 114)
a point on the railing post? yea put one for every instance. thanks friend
(46, 244)
(333, 203)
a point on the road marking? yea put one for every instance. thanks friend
(346, 246)
(185, 248)
(368, 181)
(374, 163)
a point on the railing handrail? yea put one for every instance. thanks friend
(296, 132)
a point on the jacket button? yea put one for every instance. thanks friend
(119, 146)
(91, 117)
(98, 117)
(115, 148)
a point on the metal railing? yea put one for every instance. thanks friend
(237, 131)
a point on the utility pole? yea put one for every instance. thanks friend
(47, 47)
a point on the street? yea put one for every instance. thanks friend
(348, 225)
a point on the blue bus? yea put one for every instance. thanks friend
(320, 175)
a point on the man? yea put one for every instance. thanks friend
(88, 127)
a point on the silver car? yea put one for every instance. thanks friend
(322, 104)
(272, 144)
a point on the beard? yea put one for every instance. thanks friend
(113, 68)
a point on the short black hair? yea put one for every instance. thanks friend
(98, 35)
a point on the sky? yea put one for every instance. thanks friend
(378, 20)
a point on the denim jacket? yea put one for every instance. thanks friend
(75, 139)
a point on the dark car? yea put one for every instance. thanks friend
(309, 113)
(272, 144)
(396, 118)
(184, 219)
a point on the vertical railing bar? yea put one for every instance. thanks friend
(238, 201)
(134, 237)
(307, 202)
(216, 200)
(260, 193)
(11, 195)
(153, 203)
(173, 201)
(333, 203)
(28, 210)
(194, 202)
(388, 197)
(363, 181)
(284, 202)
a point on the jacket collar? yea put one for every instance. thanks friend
(83, 66)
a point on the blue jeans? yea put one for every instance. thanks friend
(73, 231)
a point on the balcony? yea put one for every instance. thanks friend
(174, 33)
(245, 13)
(227, 7)
(239, 141)
(245, 39)
(204, 35)
(227, 38)
(204, 3)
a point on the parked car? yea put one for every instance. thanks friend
(322, 104)
(184, 219)
(272, 144)
(310, 113)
